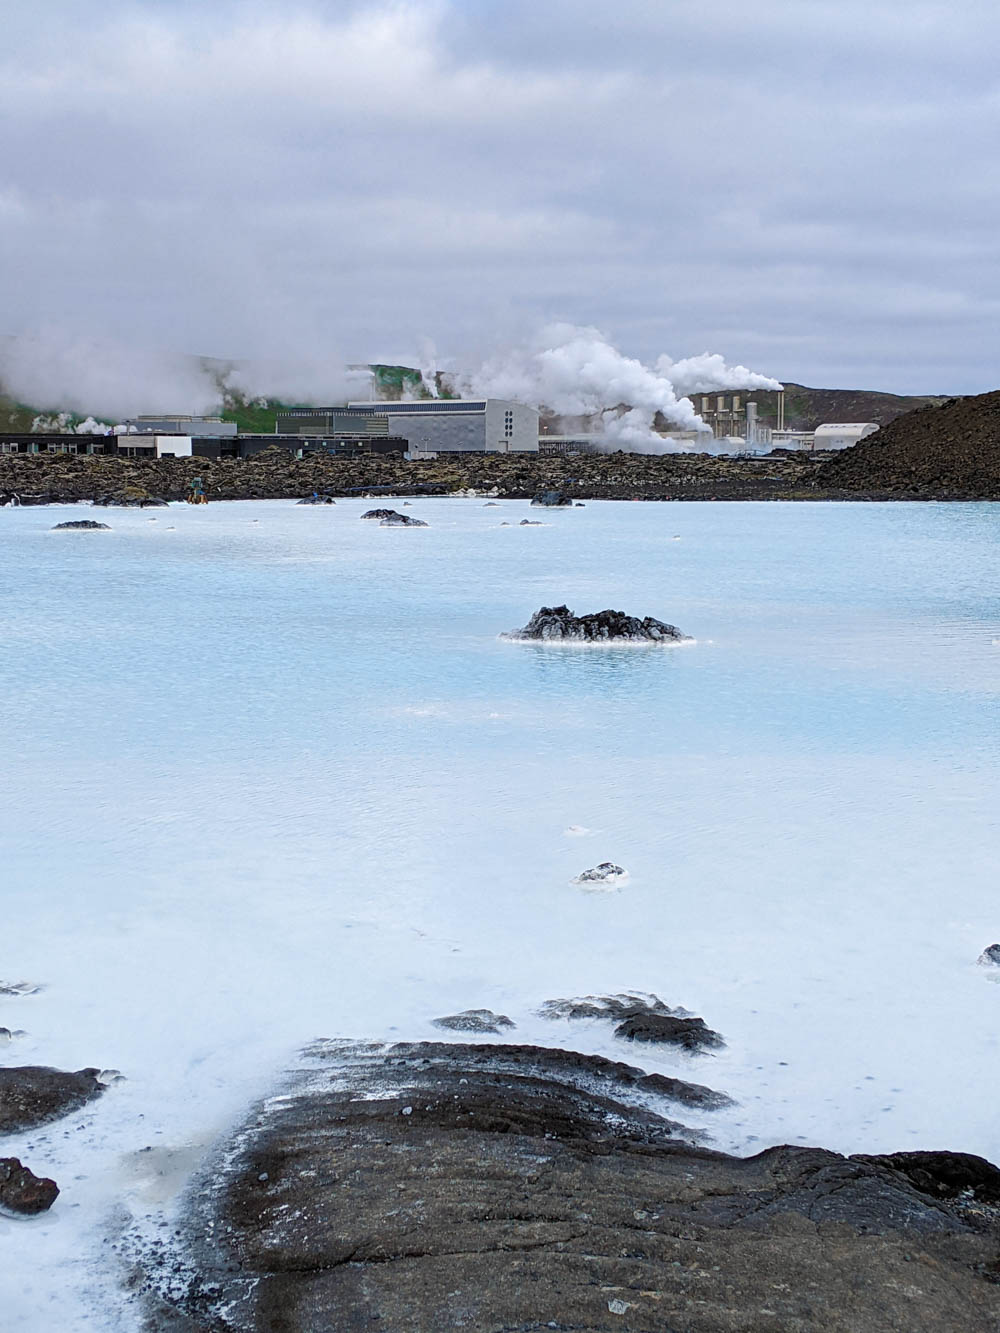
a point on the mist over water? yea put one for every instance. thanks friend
(272, 775)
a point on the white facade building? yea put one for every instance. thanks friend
(459, 425)
(833, 436)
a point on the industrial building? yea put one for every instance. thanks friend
(196, 427)
(430, 426)
(833, 436)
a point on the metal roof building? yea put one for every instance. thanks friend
(430, 426)
(833, 436)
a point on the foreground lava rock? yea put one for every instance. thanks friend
(31, 1095)
(433, 1186)
(552, 623)
(21, 1191)
(81, 525)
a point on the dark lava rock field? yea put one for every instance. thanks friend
(419, 1187)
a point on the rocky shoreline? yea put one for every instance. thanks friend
(62, 478)
(436, 1185)
(478, 1183)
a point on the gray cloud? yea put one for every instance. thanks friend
(806, 191)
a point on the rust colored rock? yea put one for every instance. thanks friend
(21, 1191)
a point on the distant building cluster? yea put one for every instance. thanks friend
(416, 430)
(423, 429)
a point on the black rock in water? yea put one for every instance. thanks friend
(391, 518)
(474, 1020)
(319, 500)
(21, 1191)
(31, 1095)
(81, 525)
(402, 521)
(530, 523)
(606, 873)
(691, 1033)
(552, 623)
(552, 499)
(990, 956)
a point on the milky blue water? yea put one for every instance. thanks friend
(269, 774)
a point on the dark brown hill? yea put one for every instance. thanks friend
(946, 452)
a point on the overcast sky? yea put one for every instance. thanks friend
(808, 188)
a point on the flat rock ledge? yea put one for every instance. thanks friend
(81, 525)
(555, 623)
(32, 1095)
(434, 1186)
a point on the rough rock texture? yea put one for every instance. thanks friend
(318, 500)
(394, 520)
(30, 1095)
(607, 874)
(990, 956)
(614, 1007)
(559, 622)
(474, 1020)
(690, 1033)
(81, 525)
(552, 499)
(23, 1192)
(380, 514)
(947, 452)
(414, 1189)
(274, 474)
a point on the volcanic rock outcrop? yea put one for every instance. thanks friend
(947, 452)
(31, 1095)
(81, 525)
(391, 518)
(552, 623)
(21, 1191)
(474, 1020)
(432, 1186)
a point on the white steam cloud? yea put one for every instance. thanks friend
(576, 371)
(568, 370)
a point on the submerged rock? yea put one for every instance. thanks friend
(606, 875)
(475, 1020)
(531, 523)
(81, 525)
(21, 1191)
(31, 1095)
(19, 988)
(559, 622)
(429, 1186)
(319, 500)
(552, 499)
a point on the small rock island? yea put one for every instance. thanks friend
(554, 623)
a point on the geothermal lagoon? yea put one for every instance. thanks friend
(271, 774)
